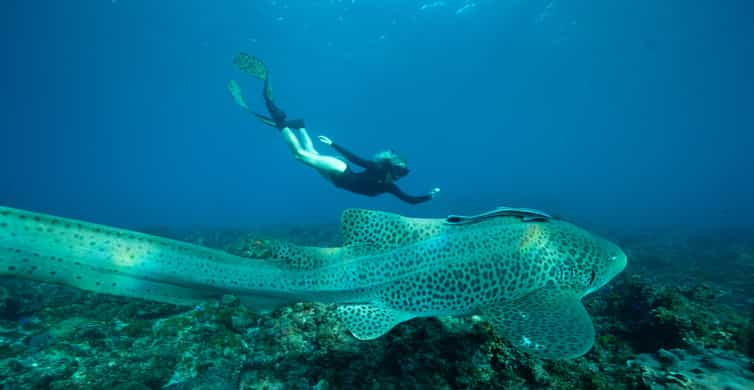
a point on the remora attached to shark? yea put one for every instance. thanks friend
(523, 271)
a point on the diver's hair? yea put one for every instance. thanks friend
(389, 157)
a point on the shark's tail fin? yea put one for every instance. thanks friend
(120, 262)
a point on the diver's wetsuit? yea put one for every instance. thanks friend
(371, 181)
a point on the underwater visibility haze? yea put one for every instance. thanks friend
(567, 200)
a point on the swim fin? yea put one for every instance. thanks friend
(293, 123)
(235, 91)
(254, 67)
(265, 120)
(250, 65)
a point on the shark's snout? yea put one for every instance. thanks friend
(614, 264)
(618, 261)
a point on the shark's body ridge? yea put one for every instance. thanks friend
(523, 271)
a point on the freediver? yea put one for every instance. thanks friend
(379, 174)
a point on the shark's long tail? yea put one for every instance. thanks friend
(122, 262)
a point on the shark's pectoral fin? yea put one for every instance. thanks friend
(547, 322)
(368, 322)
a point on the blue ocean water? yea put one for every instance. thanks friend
(632, 112)
(632, 119)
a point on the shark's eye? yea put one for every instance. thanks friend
(591, 279)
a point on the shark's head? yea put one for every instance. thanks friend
(607, 262)
(587, 262)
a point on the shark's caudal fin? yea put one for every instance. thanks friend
(121, 262)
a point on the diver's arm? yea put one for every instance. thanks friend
(395, 190)
(362, 162)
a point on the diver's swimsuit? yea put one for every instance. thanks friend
(371, 181)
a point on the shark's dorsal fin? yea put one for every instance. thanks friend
(381, 231)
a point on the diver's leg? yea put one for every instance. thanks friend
(323, 164)
(277, 114)
(307, 142)
(291, 140)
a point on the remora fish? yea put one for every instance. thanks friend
(522, 270)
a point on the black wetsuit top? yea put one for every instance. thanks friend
(371, 181)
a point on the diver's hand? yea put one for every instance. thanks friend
(434, 192)
(325, 140)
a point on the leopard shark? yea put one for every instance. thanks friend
(519, 269)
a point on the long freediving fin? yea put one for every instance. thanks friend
(251, 65)
(235, 91)
(265, 120)
(254, 67)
